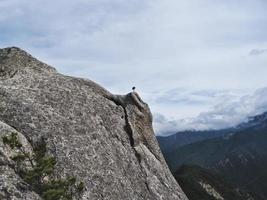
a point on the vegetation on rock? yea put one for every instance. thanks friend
(39, 175)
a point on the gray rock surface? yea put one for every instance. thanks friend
(11, 185)
(105, 140)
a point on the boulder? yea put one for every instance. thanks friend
(105, 140)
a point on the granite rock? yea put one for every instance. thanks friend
(105, 140)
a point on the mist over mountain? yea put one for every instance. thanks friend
(169, 143)
(229, 112)
(238, 154)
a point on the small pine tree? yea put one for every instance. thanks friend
(42, 165)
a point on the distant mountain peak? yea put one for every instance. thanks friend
(256, 121)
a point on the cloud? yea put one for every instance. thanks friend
(228, 112)
(183, 56)
(164, 126)
(256, 52)
(152, 44)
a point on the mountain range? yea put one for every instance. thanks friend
(238, 154)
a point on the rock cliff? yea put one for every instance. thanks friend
(104, 140)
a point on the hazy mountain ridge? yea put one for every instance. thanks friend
(240, 156)
(171, 142)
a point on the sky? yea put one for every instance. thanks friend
(199, 64)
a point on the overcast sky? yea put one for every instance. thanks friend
(199, 64)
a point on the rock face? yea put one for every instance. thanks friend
(104, 140)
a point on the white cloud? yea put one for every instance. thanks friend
(256, 52)
(228, 112)
(155, 45)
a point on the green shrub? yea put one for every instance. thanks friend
(40, 175)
